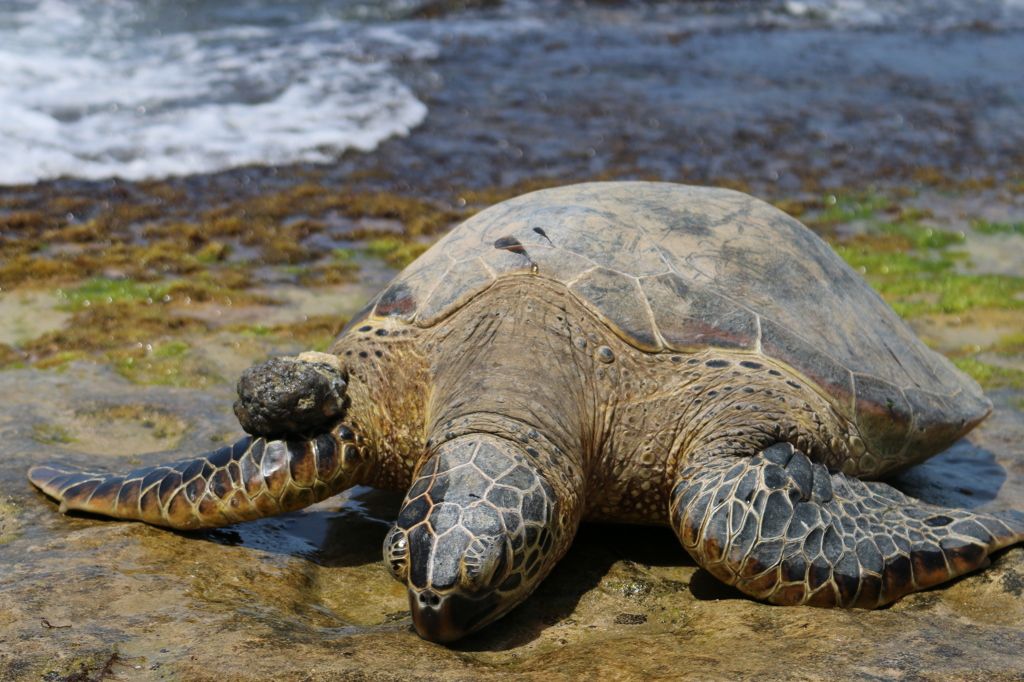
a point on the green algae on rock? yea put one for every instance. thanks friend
(988, 375)
(987, 227)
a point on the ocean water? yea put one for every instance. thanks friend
(931, 15)
(148, 88)
(141, 89)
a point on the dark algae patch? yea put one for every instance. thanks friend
(395, 252)
(146, 270)
(146, 231)
(109, 325)
(95, 670)
(315, 332)
(50, 434)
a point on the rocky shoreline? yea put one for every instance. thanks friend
(128, 309)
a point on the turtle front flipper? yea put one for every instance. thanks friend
(783, 528)
(485, 521)
(300, 452)
(251, 479)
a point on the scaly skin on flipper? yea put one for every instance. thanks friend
(783, 528)
(251, 479)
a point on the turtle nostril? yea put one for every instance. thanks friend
(430, 598)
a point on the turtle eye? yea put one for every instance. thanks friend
(396, 554)
(487, 562)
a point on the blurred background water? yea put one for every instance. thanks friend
(147, 88)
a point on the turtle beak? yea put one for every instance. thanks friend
(446, 618)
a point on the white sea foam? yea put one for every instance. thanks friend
(101, 92)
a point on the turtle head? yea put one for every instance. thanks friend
(476, 535)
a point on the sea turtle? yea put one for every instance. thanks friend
(631, 352)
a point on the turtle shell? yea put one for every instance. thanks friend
(675, 268)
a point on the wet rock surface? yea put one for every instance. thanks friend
(709, 98)
(306, 596)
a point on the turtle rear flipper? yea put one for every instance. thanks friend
(783, 528)
(248, 480)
